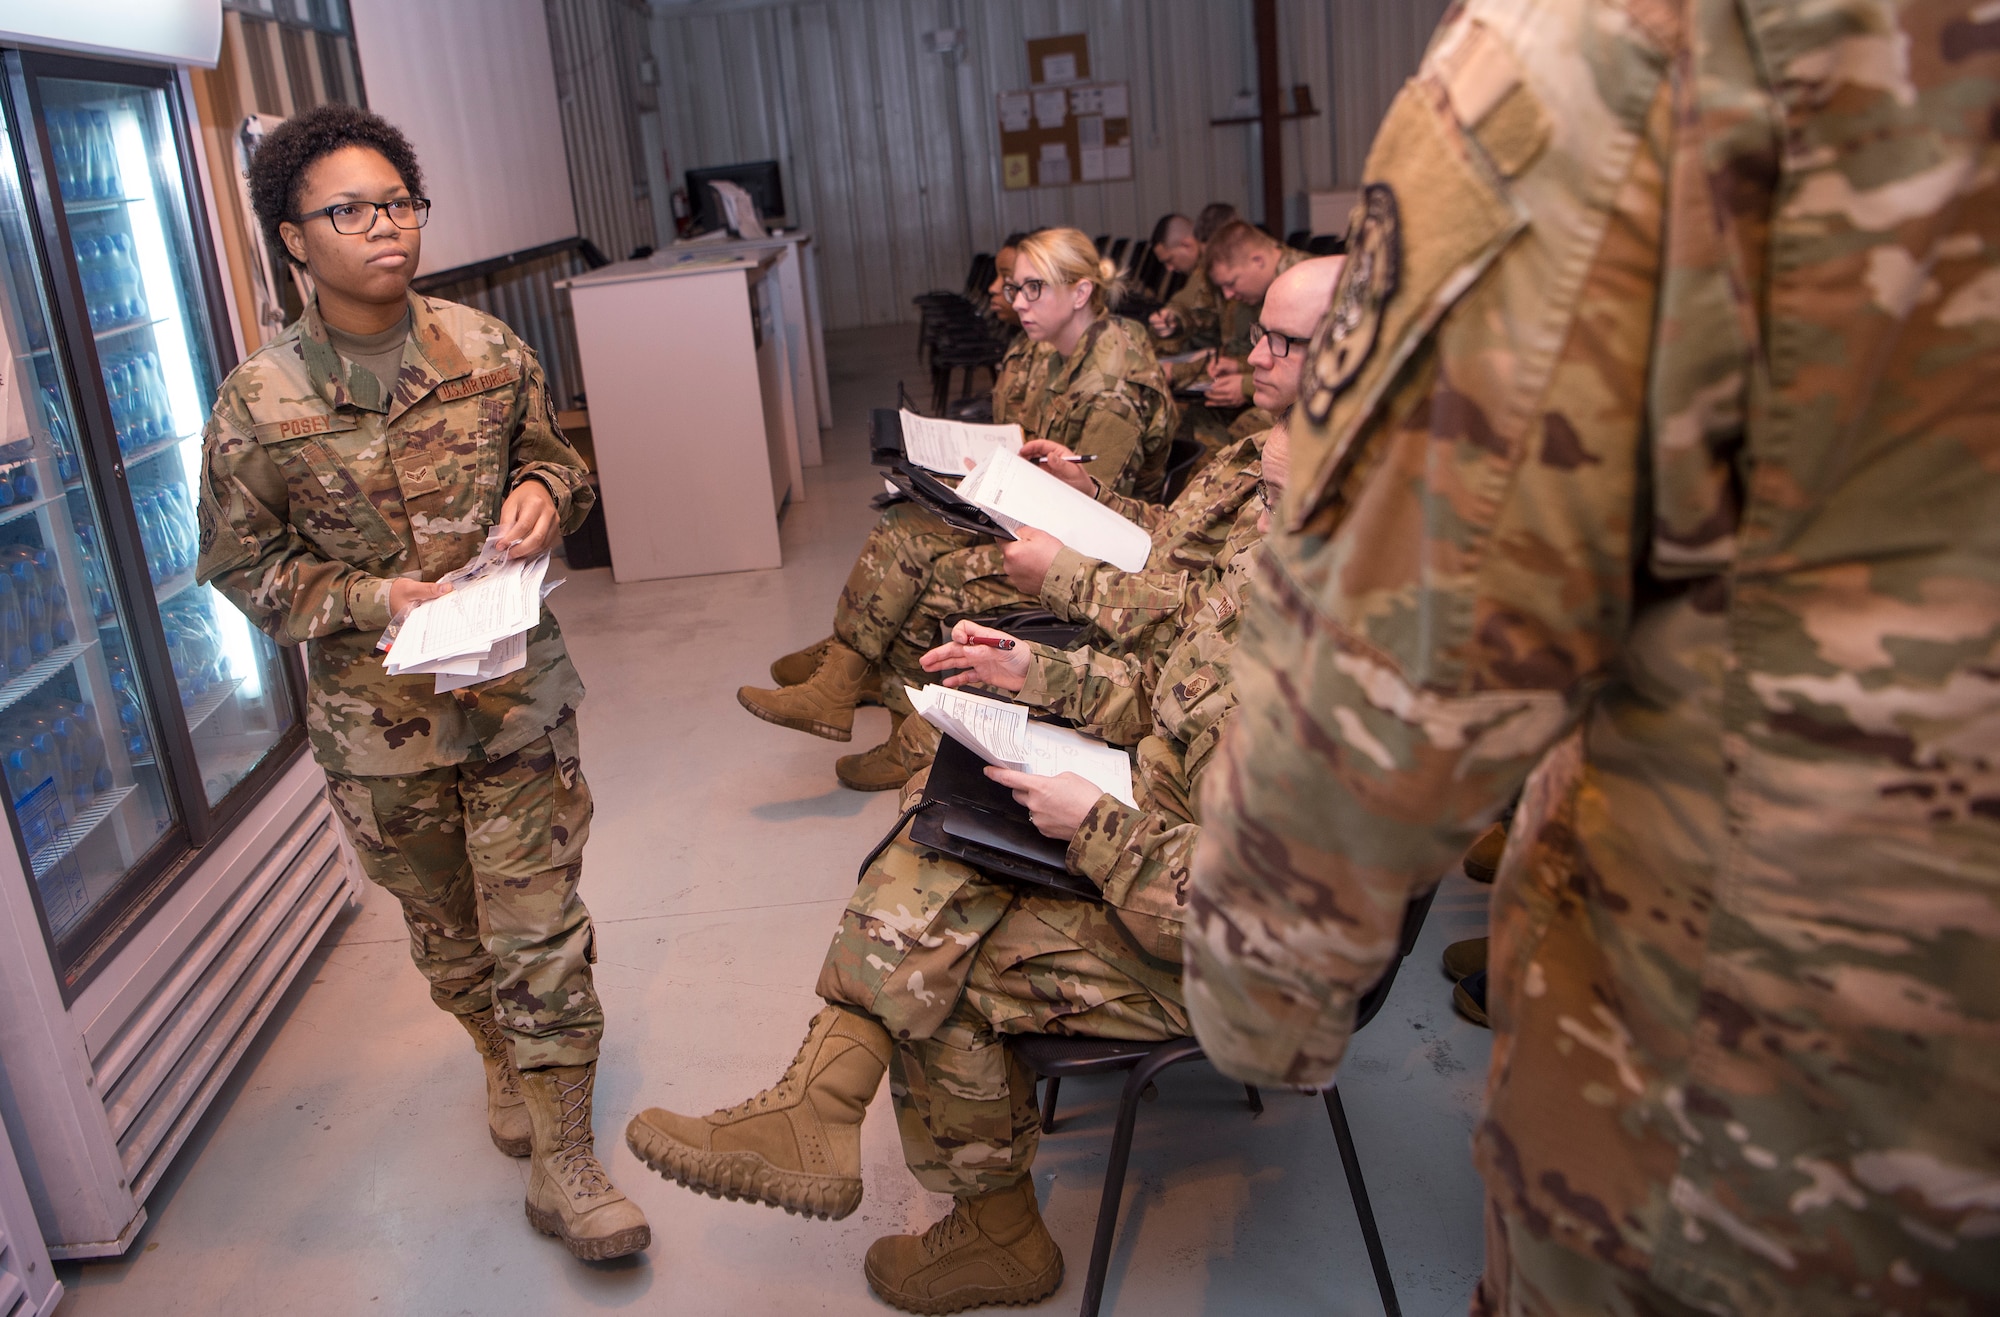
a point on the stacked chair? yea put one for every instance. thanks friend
(956, 333)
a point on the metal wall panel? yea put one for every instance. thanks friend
(598, 48)
(890, 153)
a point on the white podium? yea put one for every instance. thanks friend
(690, 381)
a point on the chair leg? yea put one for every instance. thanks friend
(1256, 1099)
(1349, 1162)
(1140, 1078)
(1051, 1085)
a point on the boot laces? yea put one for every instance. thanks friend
(762, 1101)
(949, 1231)
(497, 1048)
(575, 1161)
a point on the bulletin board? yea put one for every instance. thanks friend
(1056, 136)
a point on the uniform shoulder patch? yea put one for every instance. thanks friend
(1353, 322)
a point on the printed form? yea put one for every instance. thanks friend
(1000, 733)
(1017, 493)
(952, 448)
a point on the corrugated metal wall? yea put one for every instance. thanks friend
(890, 153)
(598, 47)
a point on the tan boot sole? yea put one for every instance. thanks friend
(615, 1245)
(810, 726)
(1012, 1296)
(743, 1176)
(520, 1147)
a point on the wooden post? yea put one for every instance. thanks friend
(1269, 110)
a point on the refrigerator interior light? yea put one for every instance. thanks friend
(156, 269)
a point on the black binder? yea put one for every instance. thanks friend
(970, 817)
(885, 449)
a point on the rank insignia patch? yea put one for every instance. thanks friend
(1347, 335)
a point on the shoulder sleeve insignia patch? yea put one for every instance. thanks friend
(1347, 335)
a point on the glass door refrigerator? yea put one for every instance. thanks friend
(172, 859)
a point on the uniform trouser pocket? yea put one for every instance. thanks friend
(410, 838)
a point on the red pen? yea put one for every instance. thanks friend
(990, 642)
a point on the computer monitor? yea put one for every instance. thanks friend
(759, 178)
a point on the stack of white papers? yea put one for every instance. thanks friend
(1000, 733)
(1017, 493)
(477, 632)
(952, 448)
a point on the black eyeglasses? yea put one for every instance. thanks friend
(1280, 344)
(352, 217)
(1034, 288)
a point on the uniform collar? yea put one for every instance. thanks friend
(429, 359)
(1066, 368)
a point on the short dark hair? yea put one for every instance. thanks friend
(1213, 216)
(1166, 226)
(278, 169)
(1235, 240)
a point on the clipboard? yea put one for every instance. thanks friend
(970, 817)
(885, 449)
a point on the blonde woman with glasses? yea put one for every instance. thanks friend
(1095, 387)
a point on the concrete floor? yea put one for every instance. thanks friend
(346, 1167)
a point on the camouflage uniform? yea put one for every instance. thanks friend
(951, 961)
(1214, 427)
(1108, 399)
(1652, 422)
(1190, 537)
(1198, 306)
(317, 491)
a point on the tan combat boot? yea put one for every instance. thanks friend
(796, 1145)
(992, 1249)
(1482, 862)
(822, 706)
(506, 1110)
(911, 746)
(569, 1194)
(1464, 959)
(797, 668)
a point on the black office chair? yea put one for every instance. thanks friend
(1052, 1057)
(1101, 241)
(1182, 456)
(1298, 238)
(1326, 244)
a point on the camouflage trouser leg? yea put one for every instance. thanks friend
(963, 583)
(1530, 1275)
(890, 575)
(484, 858)
(951, 962)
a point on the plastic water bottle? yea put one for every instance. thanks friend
(93, 571)
(14, 644)
(59, 435)
(60, 128)
(28, 596)
(90, 746)
(130, 284)
(28, 766)
(103, 158)
(25, 486)
(131, 718)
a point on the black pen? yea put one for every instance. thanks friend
(1088, 457)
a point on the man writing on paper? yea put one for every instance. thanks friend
(935, 962)
(1242, 263)
(1214, 517)
(350, 463)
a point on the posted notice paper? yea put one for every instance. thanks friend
(1017, 493)
(999, 732)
